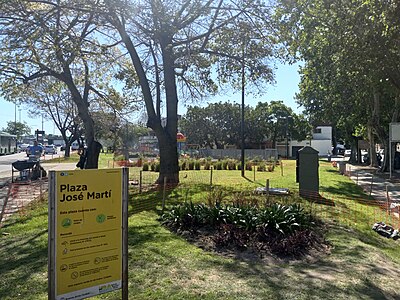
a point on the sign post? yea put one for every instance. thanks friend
(88, 216)
(394, 136)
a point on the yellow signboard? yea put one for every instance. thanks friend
(88, 232)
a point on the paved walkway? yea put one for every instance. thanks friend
(376, 184)
(14, 197)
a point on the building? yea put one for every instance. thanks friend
(321, 141)
(8, 143)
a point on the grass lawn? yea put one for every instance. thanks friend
(162, 265)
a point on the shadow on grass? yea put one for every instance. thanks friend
(26, 255)
(320, 279)
(346, 190)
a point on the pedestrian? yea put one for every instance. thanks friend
(82, 152)
(36, 150)
(379, 159)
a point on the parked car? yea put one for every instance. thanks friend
(50, 149)
(22, 147)
(340, 149)
(75, 146)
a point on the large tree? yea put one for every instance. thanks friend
(187, 48)
(351, 54)
(51, 39)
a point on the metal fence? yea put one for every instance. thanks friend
(202, 186)
(15, 197)
(342, 210)
(266, 154)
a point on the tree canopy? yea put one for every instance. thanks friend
(188, 49)
(17, 128)
(218, 124)
(351, 71)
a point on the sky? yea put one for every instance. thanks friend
(287, 81)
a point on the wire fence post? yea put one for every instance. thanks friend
(164, 193)
(211, 177)
(387, 199)
(372, 184)
(281, 167)
(140, 181)
(254, 174)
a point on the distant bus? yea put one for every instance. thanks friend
(8, 143)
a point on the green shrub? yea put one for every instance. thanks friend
(257, 159)
(218, 165)
(191, 164)
(231, 164)
(184, 165)
(184, 216)
(271, 168)
(207, 165)
(273, 221)
(197, 165)
(261, 167)
(284, 229)
(225, 164)
(155, 166)
(248, 166)
(282, 219)
(145, 166)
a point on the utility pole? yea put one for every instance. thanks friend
(287, 137)
(242, 113)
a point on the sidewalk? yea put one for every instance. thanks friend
(14, 197)
(376, 184)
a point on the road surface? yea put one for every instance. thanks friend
(7, 160)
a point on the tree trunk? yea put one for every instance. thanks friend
(169, 167)
(67, 152)
(81, 101)
(93, 152)
(167, 141)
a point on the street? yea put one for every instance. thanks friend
(7, 160)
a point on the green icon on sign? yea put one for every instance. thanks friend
(66, 223)
(100, 218)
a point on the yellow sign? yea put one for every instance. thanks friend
(88, 232)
